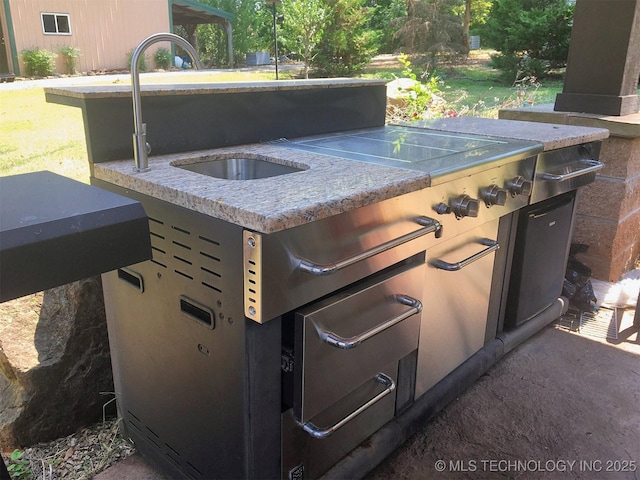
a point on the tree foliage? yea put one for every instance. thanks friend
(303, 28)
(347, 44)
(532, 36)
(252, 31)
(432, 27)
(385, 14)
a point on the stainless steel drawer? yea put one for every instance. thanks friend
(293, 267)
(346, 340)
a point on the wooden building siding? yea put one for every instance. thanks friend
(105, 31)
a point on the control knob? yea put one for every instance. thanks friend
(442, 208)
(465, 206)
(519, 186)
(494, 195)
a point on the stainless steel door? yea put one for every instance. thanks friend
(344, 342)
(456, 297)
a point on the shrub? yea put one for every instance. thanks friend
(39, 62)
(532, 36)
(162, 58)
(347, 44)
(70, 55)
(142, 61)
(514, 68)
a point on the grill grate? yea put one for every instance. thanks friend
(602, 324)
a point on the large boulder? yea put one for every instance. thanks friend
(54, 363)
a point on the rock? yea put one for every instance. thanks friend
(399, 91)
(54, 363)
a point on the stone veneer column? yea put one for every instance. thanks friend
(608, 212)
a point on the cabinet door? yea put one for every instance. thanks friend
(456, 303)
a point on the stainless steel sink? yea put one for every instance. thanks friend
(239, 167)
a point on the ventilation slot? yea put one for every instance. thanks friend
(196, 472)
(152, 437)
(134, 422)
(182, 245)
(184, 260)
(158, 242)
(183, 274)
(208, 240)
(211, 287)
(215, 274)
(173, 455)
(210, 257)
(181, 230)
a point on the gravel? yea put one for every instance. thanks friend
(74, 457)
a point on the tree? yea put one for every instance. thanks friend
(532, 36)
(251, 30)
(347, 44)
(432, 27)
(385, 13)
(303, 27)
(475, 14)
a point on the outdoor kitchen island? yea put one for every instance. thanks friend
(288, 317)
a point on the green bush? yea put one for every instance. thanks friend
(531, 36)
(142, 61)
(70, 55)
(514, 68)
(162, 58)
(39, 62)
(347, 44)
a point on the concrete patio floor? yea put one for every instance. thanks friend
(564, 404)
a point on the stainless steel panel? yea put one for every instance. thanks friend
(375, 317)
(282, 285)
(565, 169)
(454, 323)
(441, 154)
(304, 456)
(172, 343)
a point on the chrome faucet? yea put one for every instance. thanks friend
(141, 148)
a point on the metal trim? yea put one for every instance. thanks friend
(252, 274)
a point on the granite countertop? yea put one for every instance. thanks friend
(327, 185)
(116, 91)
(549, 135)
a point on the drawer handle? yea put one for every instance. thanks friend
(346, 343)
(317, 432)
(454, 267)
(592, 166)
(430, 226)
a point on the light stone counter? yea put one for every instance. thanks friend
(549, 135)
(148, 90)
(327, 187)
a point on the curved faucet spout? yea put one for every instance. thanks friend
(140, 146)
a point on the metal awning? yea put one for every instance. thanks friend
(190, 12)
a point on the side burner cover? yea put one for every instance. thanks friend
(54, 230)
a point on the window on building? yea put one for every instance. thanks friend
(56, 23)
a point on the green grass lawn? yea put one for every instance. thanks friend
(472, 88)
(36, 135)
